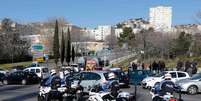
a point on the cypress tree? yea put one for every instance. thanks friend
(62, 48)
(56, 43)
(68, 48)
(73, 54)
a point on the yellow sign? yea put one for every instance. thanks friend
(40, 59)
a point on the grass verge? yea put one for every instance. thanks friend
(9, 66)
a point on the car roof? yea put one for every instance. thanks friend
(97, 71)
(176, 71)
(115, 69)
(35, 67)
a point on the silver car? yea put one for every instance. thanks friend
(92, 78)
(191, 85)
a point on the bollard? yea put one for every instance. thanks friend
(135, 91)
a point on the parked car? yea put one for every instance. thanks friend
(123, 77)
(39, 70)
(3, 71)
(2, 75)
(136, 76)
(89, 79)
(149, 82)
(21, 77)
(191, 85)
(18, 67)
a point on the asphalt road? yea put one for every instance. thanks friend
(29, 93)
(144, 95)
(18, 92)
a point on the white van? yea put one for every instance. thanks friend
(40, 71)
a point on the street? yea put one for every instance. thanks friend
(29, 93)
(18, 92)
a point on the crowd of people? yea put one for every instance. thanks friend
(187, 66)
(155, 66)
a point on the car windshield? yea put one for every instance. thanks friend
(34, 65)
(32, 70)
(196, 77)
(45, 70)
(37, 70)
(159, 74)
(106, 76)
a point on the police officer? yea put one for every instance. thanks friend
(111, 86)
(165, 86)
(53, 81)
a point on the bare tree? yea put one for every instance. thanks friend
(154, 44)
(112, 39)
(13, 47)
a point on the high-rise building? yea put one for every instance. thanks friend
(161, 18)
(102, 32)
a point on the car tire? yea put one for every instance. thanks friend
(5, 82)
(40, 98)
(192, 90)
(24, 82)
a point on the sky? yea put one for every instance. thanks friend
(91, 13)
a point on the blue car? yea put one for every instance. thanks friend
(136, 76)
(122, 77)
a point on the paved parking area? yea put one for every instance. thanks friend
(29, 93)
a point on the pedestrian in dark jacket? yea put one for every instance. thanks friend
(194, 67)
(134, 66)
(162, 66)
(155, 66)
(143, 67)
(179, 66)
(150, 67)
(187, 65)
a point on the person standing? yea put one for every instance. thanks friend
(188, 68)
(179, 66)
(134, 66)
(154, 66)
(143, 66)
(194, 67)
(162, 66)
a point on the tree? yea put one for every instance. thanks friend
(153, 44)
(13, 46)
(62, 48)
(119, 25)
(6, 25)
(111, 39)
(195, 47)
(68, 47)
(181, 45)
(56, 43)
(73, 54)
(127, 37)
